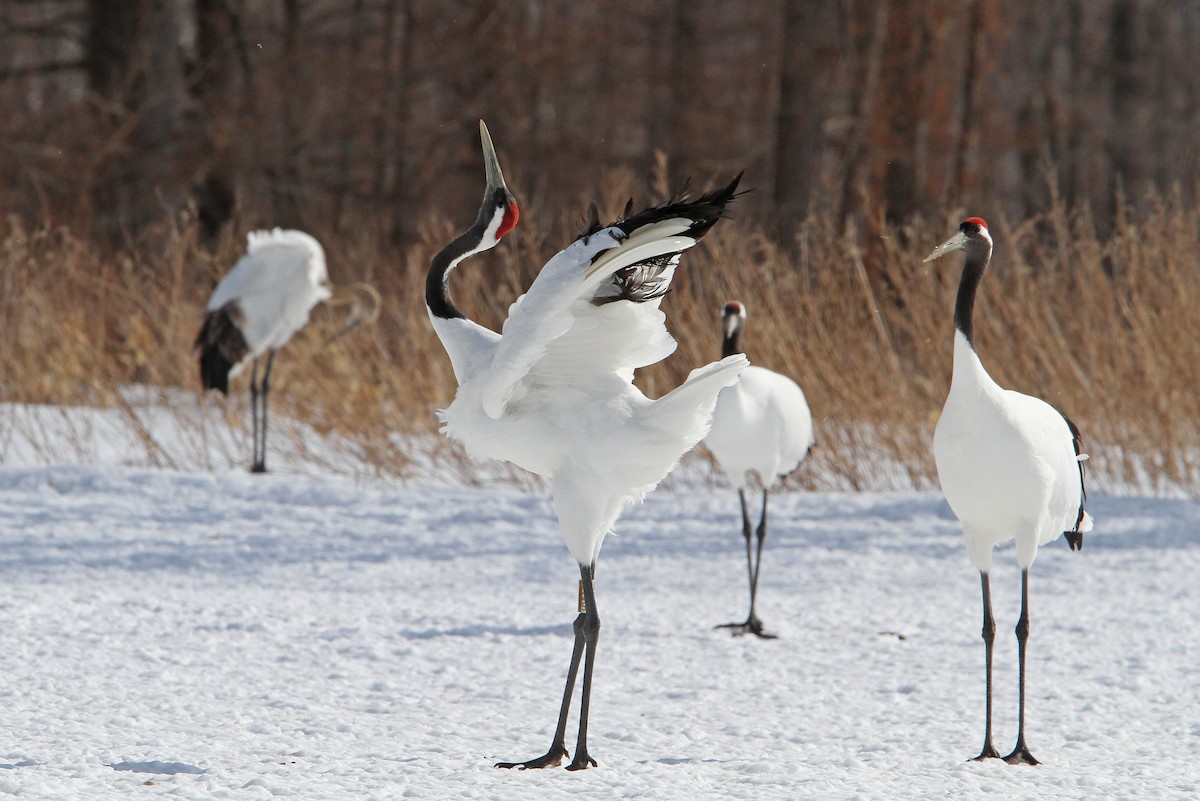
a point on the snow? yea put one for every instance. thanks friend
(196, 632)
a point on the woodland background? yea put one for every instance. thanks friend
(140, 140)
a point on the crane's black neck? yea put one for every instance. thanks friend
(968, 285)
(437, 281)
(732, 343)
(496, 201)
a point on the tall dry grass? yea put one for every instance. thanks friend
(1103, 327)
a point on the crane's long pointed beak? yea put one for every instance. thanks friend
(956, 242)
(495, 178)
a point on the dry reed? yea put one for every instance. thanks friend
(1104, 328)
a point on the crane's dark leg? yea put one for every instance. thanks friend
(254, 412)
(752, 624)
(260, 441)
(558, 748)
(1020, 754)
(591, 633)
(989, 637)
(747, 534)
(755, 624)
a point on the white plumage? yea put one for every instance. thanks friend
(761, 430)
(1009, 464)
(259, 305)
(274, 286)
(553, 393)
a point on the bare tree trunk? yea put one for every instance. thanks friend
(112, 32)
(396, 20)
(966, 122)
(287, 179)
(1072, 152)
(218, 41)
(799, 140)
(899, 107)
(866, 82)
(1128, 135)
(683, 94)
(400, 155)
(133, 64)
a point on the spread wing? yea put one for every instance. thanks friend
(594, 307)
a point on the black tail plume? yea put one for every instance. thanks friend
(221, 345)
(1075, 536)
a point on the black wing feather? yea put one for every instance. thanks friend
(643, 281)
(221, 345)
(1075, 536)
(704, 211)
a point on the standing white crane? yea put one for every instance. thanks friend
(259, 305)
(553, 394)
(1010, 466)
(761, 430)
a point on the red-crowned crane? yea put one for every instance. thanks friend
(553, 393)
(259, 305)
(1010, 466)
(761, 430)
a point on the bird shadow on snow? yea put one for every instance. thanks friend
(684, 761)
(804, 521)
(564, 630)
(161, 768)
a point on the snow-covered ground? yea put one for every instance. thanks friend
(186, 634)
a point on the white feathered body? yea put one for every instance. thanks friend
(274, 287)
(1006, 462)
(554, 395)
(761, 428)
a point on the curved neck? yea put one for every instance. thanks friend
(732, 343)
(497, 216)
(437, 280)
(968, 285)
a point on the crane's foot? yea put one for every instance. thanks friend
(752, 625)
(989, 752)
(1021, 756)
(551, 759)
(258, 467)
(582, 762)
